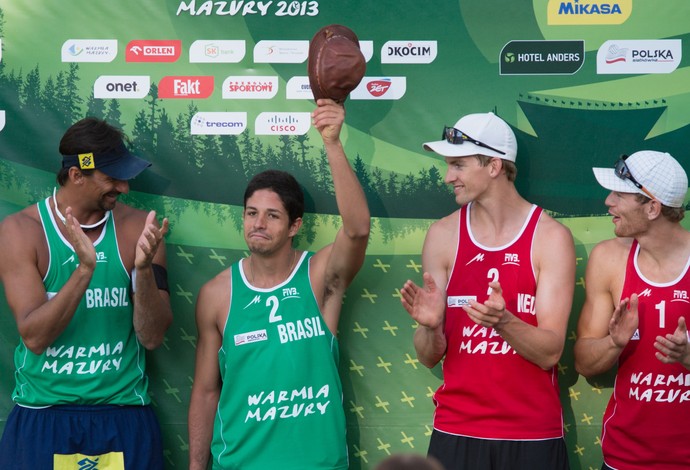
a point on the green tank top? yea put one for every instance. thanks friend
(281, 401)
(97, 359)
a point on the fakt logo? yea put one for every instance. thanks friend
(153, 50)
(185, 87)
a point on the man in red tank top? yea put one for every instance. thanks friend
(498, 283)
(635, 311)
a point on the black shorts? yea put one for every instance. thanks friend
(467, 453)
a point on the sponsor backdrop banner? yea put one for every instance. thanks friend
(215, 91)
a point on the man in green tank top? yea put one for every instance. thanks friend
(266, 390)
(85, 278)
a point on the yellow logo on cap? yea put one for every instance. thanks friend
(86, 161)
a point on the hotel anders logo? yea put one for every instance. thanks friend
(582, 12)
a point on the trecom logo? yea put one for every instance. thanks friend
(218, 123)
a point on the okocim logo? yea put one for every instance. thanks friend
(408, 52)
(153, 51)
(185, 87)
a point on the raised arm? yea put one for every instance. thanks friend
(212, 304)
(340, 261)
(152, 311)
(603, 328)
(41, 320)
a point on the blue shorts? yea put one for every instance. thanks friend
(82, 437)
(467, 453)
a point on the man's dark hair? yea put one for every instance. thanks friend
(88, 135)
(284, 185)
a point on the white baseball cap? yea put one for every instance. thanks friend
(647, 172)
(477, 134)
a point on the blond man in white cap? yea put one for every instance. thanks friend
(635, 312)
(499, 276)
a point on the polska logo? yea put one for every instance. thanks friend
(639, 56)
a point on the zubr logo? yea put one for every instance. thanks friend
(581, 12)
(153, 51)
(185, 87)
(637, 57)
(121, 86)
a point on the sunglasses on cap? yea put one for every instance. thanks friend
(623, 172)
(456, 137)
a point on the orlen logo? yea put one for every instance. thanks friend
(153, 51)
(579, 12)
(380, 88)
(251, 87)
(282, 123)
(408, 52)
(121, 86)
(185, 87)
(218, 123)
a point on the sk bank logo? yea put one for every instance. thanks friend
(218, 123)
(153, 51)
(121, 86)
(185, 87)
(282, 123)
(584, 12)
(89, 50)
(217, 51)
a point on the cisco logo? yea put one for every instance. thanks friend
(282, 123)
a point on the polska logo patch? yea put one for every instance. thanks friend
(86, 161)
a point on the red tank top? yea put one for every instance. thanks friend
(646, 423)
(489, 391)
